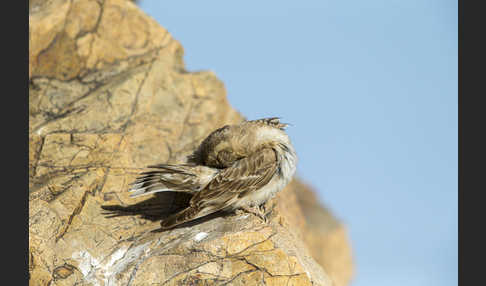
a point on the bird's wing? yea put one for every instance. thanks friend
(245, 175)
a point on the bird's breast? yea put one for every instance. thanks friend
(287, 165)
(260, 196)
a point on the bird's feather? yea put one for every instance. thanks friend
(243, 177)
(178, 178)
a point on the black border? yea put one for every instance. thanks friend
(460, 105)
(471, 131)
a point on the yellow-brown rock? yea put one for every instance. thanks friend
(109, 95)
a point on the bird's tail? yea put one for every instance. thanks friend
(187, 214)
(176, 178)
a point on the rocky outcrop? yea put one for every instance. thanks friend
(109, 95)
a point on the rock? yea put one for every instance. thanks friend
(109, 95)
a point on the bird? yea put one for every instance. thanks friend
(235, 168)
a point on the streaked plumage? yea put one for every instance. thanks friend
(235, 167)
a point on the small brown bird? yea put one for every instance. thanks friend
(236, 167)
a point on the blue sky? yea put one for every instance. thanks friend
(370, 88)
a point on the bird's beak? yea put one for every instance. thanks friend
(284, 125)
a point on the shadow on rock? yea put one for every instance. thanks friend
(157, 208)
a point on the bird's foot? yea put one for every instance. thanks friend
(256, 210)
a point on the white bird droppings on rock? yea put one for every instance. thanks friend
(200, 236)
